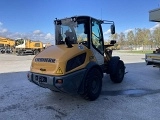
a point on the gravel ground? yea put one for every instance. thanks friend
(136, 98)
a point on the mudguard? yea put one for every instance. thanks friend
(89, 67)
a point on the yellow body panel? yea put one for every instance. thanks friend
(7, 42)
(34, 44)
(61, 54)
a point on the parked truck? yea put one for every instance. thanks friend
(6, 45)
(26, 46)
(154, 58)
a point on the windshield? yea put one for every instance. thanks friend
(19, 42)
(73, 30)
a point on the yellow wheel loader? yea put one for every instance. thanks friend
(77, 61)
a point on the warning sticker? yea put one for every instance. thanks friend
(59, 71)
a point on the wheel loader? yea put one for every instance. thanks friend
(79, 59)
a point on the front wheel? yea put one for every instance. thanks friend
(93, 85)
(118, 75)
(21, 53)
(2, 51)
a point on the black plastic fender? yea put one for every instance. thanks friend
(113, 64)
(89, 66)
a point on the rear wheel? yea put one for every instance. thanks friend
(148, 63)
(35, 52)
(118, 75)
(93, 85)
(20, 52)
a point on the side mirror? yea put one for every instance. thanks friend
(113, 42)
(112, 29)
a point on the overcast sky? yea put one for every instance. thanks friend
(33, 19)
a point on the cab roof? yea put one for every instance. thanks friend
(81, 16)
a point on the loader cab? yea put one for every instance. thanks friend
(82, 30)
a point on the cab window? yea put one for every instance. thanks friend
(97, 38)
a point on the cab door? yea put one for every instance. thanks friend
(97, 42)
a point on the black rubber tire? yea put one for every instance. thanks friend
(55, 91)
(118, 75)
(2, 51)
(148, 63)
(20, 53)
(93, 85)
(35, 52)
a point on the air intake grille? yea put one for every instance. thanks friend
(75, 62)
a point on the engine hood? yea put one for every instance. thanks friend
(53, 59)
(60, 52)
